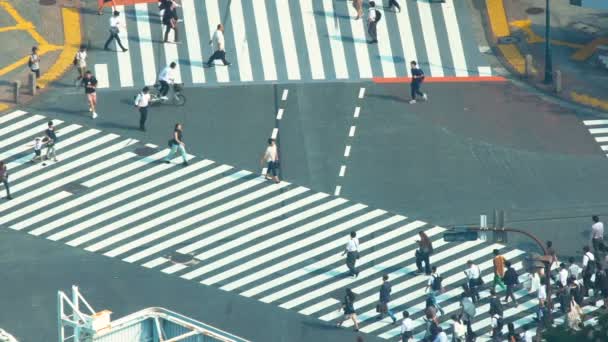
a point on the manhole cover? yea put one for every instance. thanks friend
(145, 151)
(590, 29)
(179, 258)
(535, 10)
(74, 188)
(508, 40)
(47, 2)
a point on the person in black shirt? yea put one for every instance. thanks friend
(52, 140)
(90, 86)
(170, 19)
(417, 78)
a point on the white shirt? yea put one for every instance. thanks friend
(597, 230)
(542, 292)
(563, 277)
(142, 100)
(371, 16)
(271, 153)
(588, 256)
(38, 144)
(167, 75)
(574, 271)
(495, 320)
(218, 40)
(115, 21)
(407, 325)
(441, 337)
(352, 245)
(473, 272)
(35, 61)
(81, 59)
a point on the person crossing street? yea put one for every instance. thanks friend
(385, 297)
(90, 89)
(373, 17)
(115, 25)
(177, 144)
(218, 46)
(141, 102)
(165, 78)
(352, 254)
(416, 83)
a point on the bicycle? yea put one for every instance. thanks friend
(176, 98)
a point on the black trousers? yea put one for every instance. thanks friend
(474, 292)
(415, 89)
(168, 29)
(218, 54)
(372, 31)
(8, 190)
(113, 35)
(164, 88)
(392, 3)
(510, 293)
(351, 260)
(143, 116)
(423, 257)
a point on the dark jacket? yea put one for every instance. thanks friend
(511, 277)
(385, 292)
(495, 306)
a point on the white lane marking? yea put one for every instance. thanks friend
(312, 40)
(387, 60)
(12, 115)
(51, 199)
(271, 270)
(347, 151)
(342, 171)
(604, 147)
(192, 220)
(25, 122)
(595, 122)
(430, 38)
(280, 114)
(361, 92)
(90, 196)
(407, 39)
(214, 18)
(108, 215)
(156, 262)
(360, 43)
(264, 39)
(174, 268)
(276, 253)
(254, 235)
(451, 25)
(144, 226)
(484, 71)
(275, 133)
(145, 43)
(351, 131)
(598, 130)
(101, 74)
(289, 45)
(124, 58)
(307, 255)
(22, 135)
(357, 112)
(601, 139)
(337, 190)
(192, 37)
(240, 39)
(335, 40)
(285, 93)
(225, 233)
(115, 225)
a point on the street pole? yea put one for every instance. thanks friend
(548, 59)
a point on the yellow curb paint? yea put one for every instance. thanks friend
(498, 18)
(533, 38)
(589, 101)
(513, 56)
(588, 50)
(71, 44)
(4, 106)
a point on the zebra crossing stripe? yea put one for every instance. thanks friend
(12, 115)
(17, 125)
(156, 262)
(195, 55)
(101, 74)
(387, 60)
(240, 38)
(598, 130)
(407, 38)
(288, 40)
(430, 38)
(125, 71)
(360, 44)
(146, 48)
(454, 40)
(335, 40)
(595, 122)
(20, 136)
(261, 23)
(312, 43)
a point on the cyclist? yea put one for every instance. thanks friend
(166, 77)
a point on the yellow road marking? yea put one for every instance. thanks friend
(588, 50)
(588, 100)
(498, 18)
(533, 38)
(4, 106)
(513, 56)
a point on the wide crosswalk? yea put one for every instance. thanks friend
(277, 243)
(293, 40)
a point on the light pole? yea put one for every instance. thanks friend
(548, 59)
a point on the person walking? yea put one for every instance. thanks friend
(423, 253)
(495, 304)
(597, 233)
(574, 270)
(271, 158)
(38, 144)
(385, 297)
(141, 102)
(348, 306)
(170, 20)
(407, 328)
(588, 269)
(165, 78)
(102, 4)
(499, 269)
(34, 63)
(80, 63)
(434, 287)
(551, 252)
(115, 25)
(217, 42)
(416, 83)
(358, 5)
(601, 286)
(511, 280)
(459, 330)
(177, 144)
(373, 16)
(51, 142)
(473, 274)
(352, 254)
(4, 179)
(496, 324)
(90, 89)
(562, 275)
(467, 312)
(393, 4)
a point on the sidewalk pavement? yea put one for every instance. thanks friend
(579, 39)
(53, 26)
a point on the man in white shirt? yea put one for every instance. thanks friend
(141, 102)
(574, 270)
(563, 274)
(115, 24)
(352, 254)
(588, 268)
(473, 274)
(271, 158)
(166, 77)
(407, 327)
(372, 22)
(218, 46)
(597, 233)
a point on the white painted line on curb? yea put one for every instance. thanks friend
(357, 110)
(275, 132)
(347, 151)
(280, 114)
(342, 170)
(361, 93)
(351, 132)
(285, 92)
(337, 191)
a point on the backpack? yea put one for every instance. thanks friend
(29, 62)
(436, 284)
(378, 15)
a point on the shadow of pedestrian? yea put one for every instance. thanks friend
(331, 15)
(117, 126)
(389, 97)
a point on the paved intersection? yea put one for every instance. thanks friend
(276, 243)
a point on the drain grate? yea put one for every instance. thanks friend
(184, 259)
(535, 10)
(74, 188)
(145, 151)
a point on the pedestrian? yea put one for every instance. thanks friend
(512, 336)
(373, 16)
(102, 4)
(218, 47)
(385, 297)
(496, 324)
(588, 269)
(358, 5)
(563, 297)
(434, 287)
(576, 291)
(562, 275)
(407, 328)
(51, 136)
(601, 286)
(574, 270)
(511, 280)
(440, 335)
(551, 252)
(542, 292)
(416, 83)
(141, 102)
(4, 179)
(34, 63)
(164, 5)
(80, 62)
(348, 306)
(467, 312)
(473, 273)
(499, 269)
(352, 254)
(423, 253)
(38, 144)
(431, 321)
(495, 304)
(177, 144)
(459, 330)
(90, 89)
(170, 20)
(597, 232)
(166, 77)
(271, 158)
(394, 5)
(115, 25)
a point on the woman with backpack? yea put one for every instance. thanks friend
(348, 305)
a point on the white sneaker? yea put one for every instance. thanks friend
(164, 98)
(425, 97)
(412, 101)
(94, 115)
